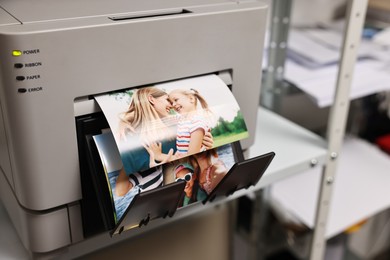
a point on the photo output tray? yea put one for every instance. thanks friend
(149, 205)
(242, 175)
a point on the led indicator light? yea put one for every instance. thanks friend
(16, 53)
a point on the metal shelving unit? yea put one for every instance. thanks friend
(289, 145)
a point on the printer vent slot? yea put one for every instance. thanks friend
(150, 14)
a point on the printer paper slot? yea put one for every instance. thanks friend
(87, 105)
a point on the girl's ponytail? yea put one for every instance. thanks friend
(199, 97)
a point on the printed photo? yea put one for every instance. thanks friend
(156, 124)
(202, 172)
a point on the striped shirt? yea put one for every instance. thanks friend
(147, 180)
(185, 128)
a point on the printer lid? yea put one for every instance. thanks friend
(28, 11)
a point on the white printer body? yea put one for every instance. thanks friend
(55, 55)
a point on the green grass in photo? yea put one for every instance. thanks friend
(229, 138)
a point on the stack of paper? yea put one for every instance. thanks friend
(312, 65)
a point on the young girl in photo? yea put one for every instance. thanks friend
(193, 123)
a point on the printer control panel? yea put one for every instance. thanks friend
(27, 66)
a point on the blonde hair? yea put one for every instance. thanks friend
(196, 95)
(142, 118)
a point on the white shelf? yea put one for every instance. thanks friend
(295, 147)
(361, 188)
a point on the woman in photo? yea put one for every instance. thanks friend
(185, 172)
(148, 104)
(193, 123)
(147, 122)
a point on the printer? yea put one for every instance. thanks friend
(56, 55)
